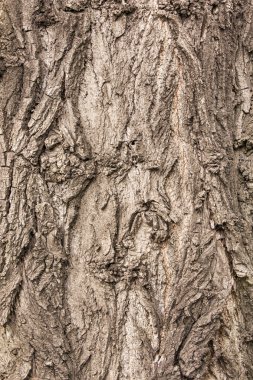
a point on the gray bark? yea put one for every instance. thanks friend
(126, 196)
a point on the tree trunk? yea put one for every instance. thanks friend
(126, 196)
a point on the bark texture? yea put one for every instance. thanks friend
(126, 194)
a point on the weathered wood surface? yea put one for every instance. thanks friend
(126, 196)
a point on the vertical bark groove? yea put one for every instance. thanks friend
(126, 190)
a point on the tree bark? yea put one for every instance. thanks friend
(126, 196)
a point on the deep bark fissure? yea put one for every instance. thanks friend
(126, 196)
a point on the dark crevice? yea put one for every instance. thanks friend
(72, 10)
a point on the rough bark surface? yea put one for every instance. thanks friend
(126, 195)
